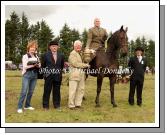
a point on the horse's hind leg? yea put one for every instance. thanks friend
(99, 84)
(112, 82)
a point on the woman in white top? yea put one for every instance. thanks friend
(31, 64)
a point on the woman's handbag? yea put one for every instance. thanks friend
(38, 70)
(39, 74)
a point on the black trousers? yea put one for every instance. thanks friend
(51, 85)
(133, 85)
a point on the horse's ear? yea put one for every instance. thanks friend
(126, 29)
(121, 28)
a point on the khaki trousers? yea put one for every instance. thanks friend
(76, 92)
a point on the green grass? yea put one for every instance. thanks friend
(124, 113)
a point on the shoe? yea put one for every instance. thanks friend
(45, 109)
(29, 108)
(58, 109)
(131, 103)
(20, 111)
(79, 107)
(139, 104)
(84, 98)
(72, 108)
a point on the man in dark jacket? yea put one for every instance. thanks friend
(52, 64)
(137, 65)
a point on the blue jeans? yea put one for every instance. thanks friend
(28, 84)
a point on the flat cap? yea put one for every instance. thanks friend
(54, 42)
(139, 49)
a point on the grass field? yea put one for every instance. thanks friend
(124, 113)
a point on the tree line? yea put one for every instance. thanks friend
(18, 32)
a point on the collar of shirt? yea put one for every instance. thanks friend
(32, 55)
(139, 57)
(54, 53)
(97, 26)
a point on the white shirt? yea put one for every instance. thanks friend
(54, 56)
(25, 60)
(139, 58)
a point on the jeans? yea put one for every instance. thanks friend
(28, 84)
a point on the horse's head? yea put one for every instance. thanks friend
(123, 41)
(119, 40)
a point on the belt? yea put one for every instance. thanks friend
(32, 69)
(95, 42)
(100, 42)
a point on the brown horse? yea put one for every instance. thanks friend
(106, 63)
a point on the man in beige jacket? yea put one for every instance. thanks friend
(76, 77)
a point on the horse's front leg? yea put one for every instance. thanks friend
(112, 83)
(99, 84)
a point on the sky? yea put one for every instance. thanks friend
(140, 19)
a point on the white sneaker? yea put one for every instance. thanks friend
(20, 111)
(29, 108)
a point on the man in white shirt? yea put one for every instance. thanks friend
(138, 65)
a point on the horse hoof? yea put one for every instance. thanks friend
(97, 105)
(114, 105)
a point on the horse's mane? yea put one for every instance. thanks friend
(112, 40)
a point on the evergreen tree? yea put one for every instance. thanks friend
(138, 42)
(75, 35)
(84, 37)
(131, 47)
(67, 38)
(45, 36)
(8, 41)
(151, 53)
(35, 31)
(24, 35)
(143, 43)
(12, 37)
(65, 41)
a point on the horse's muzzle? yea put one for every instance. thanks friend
(123, 52)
